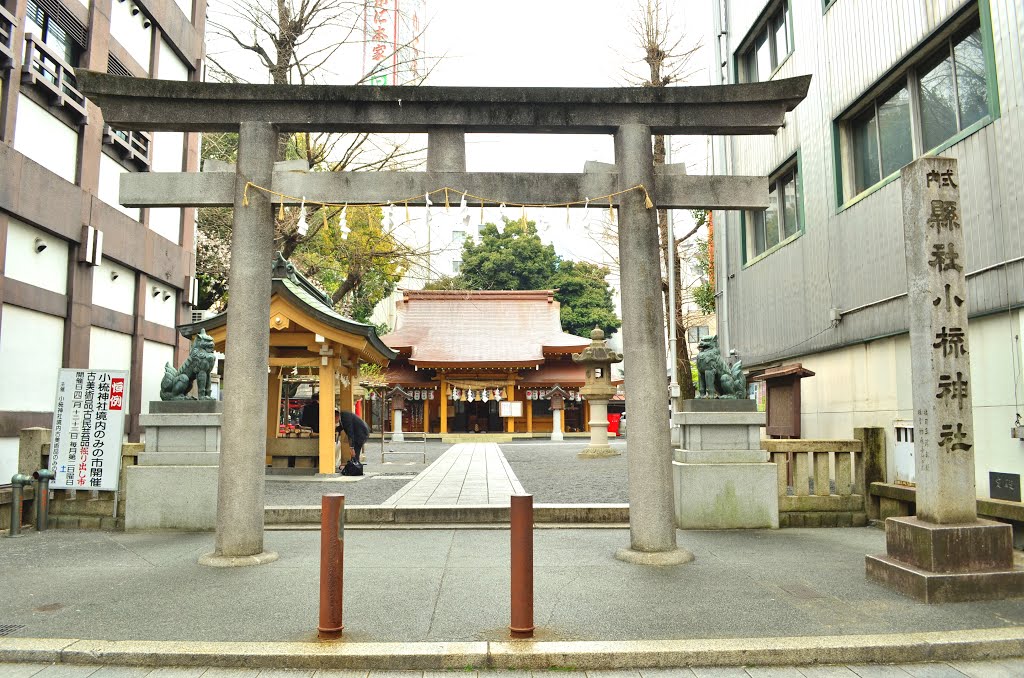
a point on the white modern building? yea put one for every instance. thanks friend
(820, 277)
(85, 282)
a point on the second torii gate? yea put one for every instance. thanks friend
(260, 112)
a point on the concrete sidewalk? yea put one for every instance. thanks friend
(440, 599)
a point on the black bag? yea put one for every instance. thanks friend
(352, 468)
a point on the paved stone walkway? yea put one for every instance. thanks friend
(467, 474)
(1006, 668)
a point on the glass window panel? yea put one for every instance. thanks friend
(971, 78)
(771, 219)
(764, 57)
(781, 35)
(756, 233)
(938, 105)
(791, 222)
(894, 130)
(865, 151)
(749, 66)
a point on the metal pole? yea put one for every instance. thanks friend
(18, 481)
(522, 565)
(43, 477)
(332, 565)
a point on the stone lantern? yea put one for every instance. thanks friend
(598, 359)
(398, 396)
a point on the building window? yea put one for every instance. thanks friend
(937, 97)
(53, 35)
(456, 266)
(767, 45)
(695, 334)
(458, 236)
(781, 221)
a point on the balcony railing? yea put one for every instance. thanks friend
(131, 145)
(7, 23)
(43, 68)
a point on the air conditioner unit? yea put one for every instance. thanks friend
(200, 316)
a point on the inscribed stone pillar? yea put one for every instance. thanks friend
(652, 527)
(944, 553)
(940, 363)
(397, 405)
(240, 489)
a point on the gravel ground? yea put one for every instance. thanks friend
(553, 474)
(550, 471)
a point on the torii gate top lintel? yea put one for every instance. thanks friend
(178, 106)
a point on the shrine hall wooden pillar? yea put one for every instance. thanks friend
(444, 404)
(325, 446)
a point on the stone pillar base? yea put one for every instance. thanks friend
(726, 496)
(214, 560)
(598, 452)
(947, 563)
(174, 485)
(673, 557)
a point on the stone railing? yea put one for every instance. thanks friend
(820, 482)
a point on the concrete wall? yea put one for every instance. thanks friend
(47, 269)
(31, 346)
(8, 459)
(869, 385)
(109, 350)
(59, 153)
(154, 357)
(159, 310)
(109, 185)
(128, 31)
(118, 294)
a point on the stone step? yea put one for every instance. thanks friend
(447, 515)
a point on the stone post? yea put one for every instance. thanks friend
(30, 446)
(945, 553)
(556, 421)
(240, 490)
(652, 527)
(397, 405)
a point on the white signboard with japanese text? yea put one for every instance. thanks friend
(88, 427)
(510, 408)
(393, 38)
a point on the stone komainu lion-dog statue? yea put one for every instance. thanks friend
(176, 384)
(716, 378)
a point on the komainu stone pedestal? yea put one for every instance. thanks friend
(174, 485)
(948, 563)
(721, 476)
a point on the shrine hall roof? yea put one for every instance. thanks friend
(480, 328)
(291, 285)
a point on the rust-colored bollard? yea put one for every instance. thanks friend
(522, 566)
(332, 565)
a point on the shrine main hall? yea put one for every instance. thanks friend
(463, 353)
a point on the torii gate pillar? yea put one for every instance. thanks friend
(652, 527)
(240, 487)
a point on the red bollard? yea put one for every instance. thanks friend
(332, 565)
(522, 566)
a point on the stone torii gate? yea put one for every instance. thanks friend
(446, 114)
